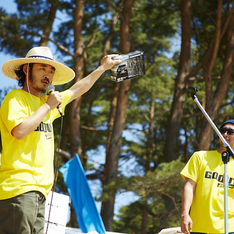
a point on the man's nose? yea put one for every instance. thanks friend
(48, 79)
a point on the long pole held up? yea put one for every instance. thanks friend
(225, 155)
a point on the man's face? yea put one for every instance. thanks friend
(40, 76)
(228, 133)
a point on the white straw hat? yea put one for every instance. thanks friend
(41, 54)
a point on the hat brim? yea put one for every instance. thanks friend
(62, 75)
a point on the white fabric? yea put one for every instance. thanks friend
(170, 230)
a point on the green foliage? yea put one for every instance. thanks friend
(155, 29)
(164, 181)
(130, 219)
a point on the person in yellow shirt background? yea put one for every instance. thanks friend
(203, 194)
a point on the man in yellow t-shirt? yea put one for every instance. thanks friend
(26, 117)
(203, 194)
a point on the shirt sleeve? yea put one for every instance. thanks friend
(192, 168)
(13, 111)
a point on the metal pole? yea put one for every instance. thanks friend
(225, 155)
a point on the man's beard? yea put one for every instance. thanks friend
(32, 80)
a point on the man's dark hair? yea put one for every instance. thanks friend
(21, 75)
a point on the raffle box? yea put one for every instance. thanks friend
(131, 66)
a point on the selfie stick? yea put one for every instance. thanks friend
(225, 155)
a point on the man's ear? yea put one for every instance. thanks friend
(25, 67)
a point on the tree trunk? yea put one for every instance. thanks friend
(112, 158)
(109, 37)
(49, 23)
(73, 219)
(144, 221)
(214, 100)
(148, 159)
(74, 106)
(180, 85)
(111, 123)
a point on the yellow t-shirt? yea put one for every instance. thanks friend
(206, 168)
(26, 164)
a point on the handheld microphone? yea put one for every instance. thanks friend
(50, 88)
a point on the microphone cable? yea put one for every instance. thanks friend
(56, 167)
(55, 175)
